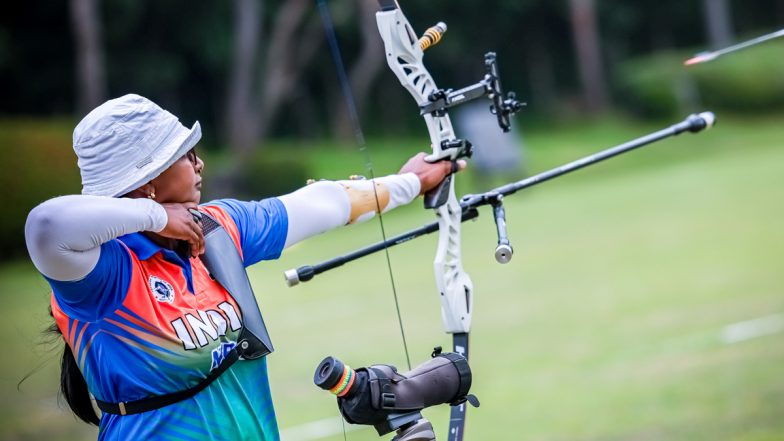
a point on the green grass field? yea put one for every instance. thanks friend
(606, 325)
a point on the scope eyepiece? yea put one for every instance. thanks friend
(334, 376)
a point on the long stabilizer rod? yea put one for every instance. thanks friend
(469, 203)
(694, 123)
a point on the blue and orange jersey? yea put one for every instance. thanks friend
(147, 321)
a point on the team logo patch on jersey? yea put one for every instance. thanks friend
(161, 289)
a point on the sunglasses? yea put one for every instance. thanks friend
(191, 155)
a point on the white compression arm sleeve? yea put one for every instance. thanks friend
(326, 205)
(64, 234)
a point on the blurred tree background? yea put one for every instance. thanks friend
(609, 324)
(252, 71)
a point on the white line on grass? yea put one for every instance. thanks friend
(316, 430)
(758, 327)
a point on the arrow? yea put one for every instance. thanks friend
(704, 57)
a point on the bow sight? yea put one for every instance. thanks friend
(489, 86)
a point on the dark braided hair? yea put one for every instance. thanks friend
(72, 384)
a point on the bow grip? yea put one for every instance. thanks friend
(440, 194)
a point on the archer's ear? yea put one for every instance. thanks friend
(142, 192)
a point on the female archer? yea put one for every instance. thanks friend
(140, 315)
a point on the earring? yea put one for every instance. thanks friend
(151, 195)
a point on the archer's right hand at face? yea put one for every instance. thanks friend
(181, 225)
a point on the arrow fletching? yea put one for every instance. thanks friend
(702, 57)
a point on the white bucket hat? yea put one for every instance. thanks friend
(126, 142)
